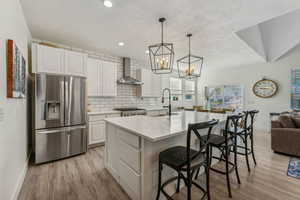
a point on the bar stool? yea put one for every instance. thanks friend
(225, 143)
(245, 134)
(185, 159)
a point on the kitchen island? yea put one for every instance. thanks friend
(133, 145)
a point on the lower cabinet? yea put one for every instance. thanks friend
(97, 128)
(129, 180)
(96, 132)
(123, 159)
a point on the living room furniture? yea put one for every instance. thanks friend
(285, 135)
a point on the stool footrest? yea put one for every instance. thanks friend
(181, 176)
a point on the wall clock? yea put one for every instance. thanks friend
(265, 88)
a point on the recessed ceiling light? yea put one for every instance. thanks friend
(121, 44)
(107, 3)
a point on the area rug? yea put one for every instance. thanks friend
(294, 168)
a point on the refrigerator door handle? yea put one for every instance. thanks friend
(68, 143)
(75, 128)
(62, 102)
(67, 102)
(50, 131)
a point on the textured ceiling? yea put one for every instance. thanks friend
(87, 24)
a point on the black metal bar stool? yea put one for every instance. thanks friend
(185, 159)
(246, 134)
(225, 143)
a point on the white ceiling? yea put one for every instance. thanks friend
(87, 24)
(274, 38)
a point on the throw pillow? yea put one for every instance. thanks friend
(286, 121)
(296, 121)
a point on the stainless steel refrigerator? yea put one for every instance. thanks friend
(59, 117)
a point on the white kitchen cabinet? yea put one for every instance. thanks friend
(189, 86)
(175, 84)
(165, 81)
(52, 60)
(151, 83)
(129, 180)
(109, 78)
(47, 59)
(156, 85)
(111, 152)
(101, 78)
(123, 159)
(97, 128)
(75, 63)
(145, 77)
(93, 77)
(96, 132)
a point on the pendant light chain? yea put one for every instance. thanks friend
(162, 38)
(162, 32)
(189, 35)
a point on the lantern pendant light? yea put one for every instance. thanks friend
(190, 66)
(162, 54)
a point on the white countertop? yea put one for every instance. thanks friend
(158, 128)
(104, 112)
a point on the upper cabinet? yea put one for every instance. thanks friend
(101, 78)
(52, 60)
(176, 84)
(152, 83)
(47, 59)
(109, 78)
(75, 63)
(189, 86)
(93, 85)
(156, 85)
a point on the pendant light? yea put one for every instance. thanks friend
(190, 66)
(162, 54)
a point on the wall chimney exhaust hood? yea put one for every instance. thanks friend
(127, 79)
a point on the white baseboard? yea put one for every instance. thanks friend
(21, 180)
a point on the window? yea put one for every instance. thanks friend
(183, 92)
(295, 91)
(176, 91)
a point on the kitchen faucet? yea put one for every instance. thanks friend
(163, 96)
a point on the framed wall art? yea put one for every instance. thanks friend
(16, 71)
(225, 96)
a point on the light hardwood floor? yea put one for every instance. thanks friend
(84, 178)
